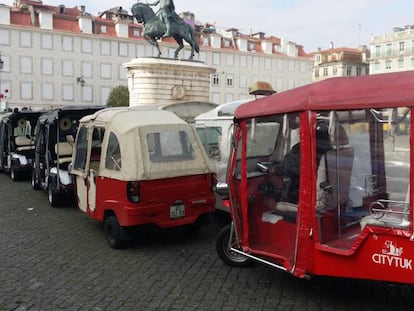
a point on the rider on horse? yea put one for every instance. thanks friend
(167, 13)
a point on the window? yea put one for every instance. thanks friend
(47, 91)
(325, 71)
(360, 171)
(389, 49)
(105, 91)
(103, 29)
(4, 37)
(205, 41)
(358, 71)
(26, 90)
(87, 69)
(242, 82)
(113, 154)
(47, 42)
(210, 138)
(334, 71)
(216, 79)
(268, 64)
(25, 39)
(401, 63)
(255, 62)
(216, 58)
(106, 48)
(67, 44)
(229, 59)
(316, 72)
(348, 70)
(169, 146)
(106, 71)
(229, 80)
(251, 47)
(67, 68)
(81, 150)
(412, 61)
(243, 61)
(86, 46)
(87, 93)
(377, 51)
(388, 64)
(26, 64)
(139, 50)
(46, 66)
(401, 46)
(67, 92)
(377, 65)
(123, 49)
(136, 32)
(122, 73)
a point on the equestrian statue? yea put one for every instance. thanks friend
(166, 23)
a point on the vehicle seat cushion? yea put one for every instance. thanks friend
(286, 207)
(65, 152)
(24, 143)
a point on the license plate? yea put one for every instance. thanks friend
(177, 211)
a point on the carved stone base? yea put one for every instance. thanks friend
(164, 81)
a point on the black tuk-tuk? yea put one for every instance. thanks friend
(55, 136)
(17, 142)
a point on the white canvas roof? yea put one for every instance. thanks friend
(131, 127)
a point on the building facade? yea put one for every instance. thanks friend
(394, 51)
(340, 62)
(55, 55)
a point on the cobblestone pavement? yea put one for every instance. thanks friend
(58, 259)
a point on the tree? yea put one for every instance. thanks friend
(119, 97)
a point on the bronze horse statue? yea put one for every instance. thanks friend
(154, 29)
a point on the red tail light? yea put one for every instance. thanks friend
(213, 182)
(133, 191)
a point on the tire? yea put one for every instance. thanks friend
(113, 232)
(229, 257)
(34, 182)
(14, 175)
(52, 196)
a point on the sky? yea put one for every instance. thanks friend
(311, 23)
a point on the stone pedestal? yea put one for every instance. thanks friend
(165, 81)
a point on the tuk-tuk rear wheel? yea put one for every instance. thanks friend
(14, 175)
(35, 183)
(228, 256)
(113, 232)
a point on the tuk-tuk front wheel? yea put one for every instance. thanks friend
(53, 195)
(228, 256)
(113, 232)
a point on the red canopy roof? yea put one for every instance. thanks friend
(380, 91)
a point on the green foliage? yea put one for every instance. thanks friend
(118, 97)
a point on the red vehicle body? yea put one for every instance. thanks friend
(134, 167)
(344, 210)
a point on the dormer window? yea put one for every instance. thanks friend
(205, 41)
(226, 43)
(252, 46)
(135, 32)
(103, 29)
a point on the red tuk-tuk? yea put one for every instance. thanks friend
(319, 180)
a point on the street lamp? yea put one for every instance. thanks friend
(81, 81)
(1, 63)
